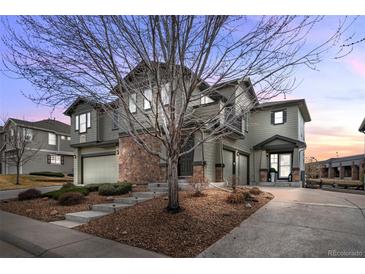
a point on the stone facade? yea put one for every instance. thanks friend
(136, 165)
(295, 174)
(198, 172)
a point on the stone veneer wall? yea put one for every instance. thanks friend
(136, 165)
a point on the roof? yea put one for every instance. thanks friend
(345, 158)
(46, 124)
(78, 101)
(362, 126)
(277, 104)
(280, 137)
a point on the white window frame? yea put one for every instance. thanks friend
(68, 138)
(83, 123)
(52, 139)
(278, 119)
(165, 97)
(77, 119)
(205, 99)
(28, 134)
(147, 99)
(132, 103)
(88, 119)
(63, 137)
(55, 159)
(115, 119)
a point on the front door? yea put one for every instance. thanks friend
(282, 163)
(186, 161)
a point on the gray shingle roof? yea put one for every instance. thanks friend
(362, 126)
(47, 124)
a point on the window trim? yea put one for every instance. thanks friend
(282, 117)
(145, 100)
(81, 115)
(115, 126)
(49, 139)
(205, 98)
(88, 121)
(77, 121)
(134, 101)
(165, 88)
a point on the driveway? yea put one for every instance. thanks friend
(10, 194)
(299, 223)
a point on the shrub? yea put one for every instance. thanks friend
(70, 175)
(115, 189)
(255, 191)
(68, 185)
(94, 187)
(70, 198)
(239, 197)
(29, 194)
(57, 193)
(48, 173)
(198, 184)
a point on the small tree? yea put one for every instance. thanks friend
(19, 150)
(313, 167)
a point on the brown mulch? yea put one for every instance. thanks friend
(40, 209)
(203, 221)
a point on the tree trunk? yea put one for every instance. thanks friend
(17, 174)
(172, 179)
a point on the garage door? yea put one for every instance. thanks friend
(100, 169)
(242, 169)
(228, 161)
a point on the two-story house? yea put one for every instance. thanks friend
(48, 140)
(271, 135)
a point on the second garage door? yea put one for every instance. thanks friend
(100, 169)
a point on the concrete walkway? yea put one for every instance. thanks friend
(11, 194)
(299, 223)
(41, 239)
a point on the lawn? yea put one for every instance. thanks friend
(28, 181)
(203, 221)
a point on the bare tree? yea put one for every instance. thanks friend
(172, 62)
(20, 147)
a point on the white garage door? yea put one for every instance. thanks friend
(101, 169)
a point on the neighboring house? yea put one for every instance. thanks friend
(50, 138)
(271, 135)
(362, 126)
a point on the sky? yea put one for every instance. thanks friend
(334, 93)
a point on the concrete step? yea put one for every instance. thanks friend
(130, 200)
(149, 194)
(66, 223)
(110, 207)
(154, 185)
(84, 216)
(158, 189)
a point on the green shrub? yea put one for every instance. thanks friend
(70, 198)
(115, 189)
(29, 194)
(48, 173)
(362, 178)
(57, 193)
(68, 185)
(94, 187)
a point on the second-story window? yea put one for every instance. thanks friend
(278, 117)
(147, 99)
(132, 103)
(82, 126)
(77, 122)
(165, 95)
(205, 100)
(115, 119)
(52, 139)
(245, 122)
(28, 135)
(88, 119)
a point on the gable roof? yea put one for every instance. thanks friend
(277, 104)
(280, 137)
(362, 126)
(78, 101)
(46, 124)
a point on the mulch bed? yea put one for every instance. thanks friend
(203, 221)
(44, 209)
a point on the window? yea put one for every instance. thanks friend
(165, 96)
(115, 119)
(82, 126)
(12, 132)
(68, 138)
(88, 119)
(278, 117)
(132, 103)
(274, 161)
(147, 99)
(245, 122)
(52, 139)
(55, 159)
(77, 122)
(205, 100)
(28, 134)
(63, 137)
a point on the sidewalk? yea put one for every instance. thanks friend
(48, 240)
(13, 193)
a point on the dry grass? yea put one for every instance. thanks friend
(29, 181)
(203, 221)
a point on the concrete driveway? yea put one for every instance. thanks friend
(10, 194)
(299, 223)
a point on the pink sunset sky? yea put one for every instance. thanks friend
(335, 95)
